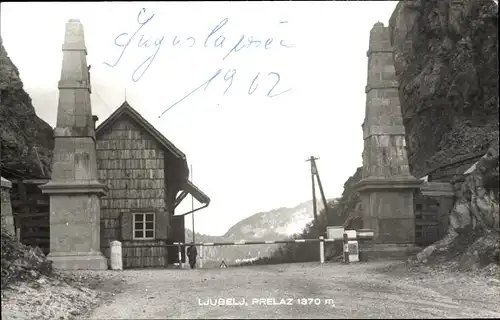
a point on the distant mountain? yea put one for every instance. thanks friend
(277, 224)
(274, 224)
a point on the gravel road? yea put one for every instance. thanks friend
(331, 291)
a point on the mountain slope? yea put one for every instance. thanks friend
(446, 60)
(26, 140)
(274, 224)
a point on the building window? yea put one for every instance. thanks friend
(144, 226)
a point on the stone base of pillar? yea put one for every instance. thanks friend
(388, 209)
(8, 224)
(6, 207)
(386, 251)
(75, 225)
(90, 261)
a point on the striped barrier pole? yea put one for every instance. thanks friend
(243, 242)
(365, 236)
(362, 234)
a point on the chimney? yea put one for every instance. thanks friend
(95, 119)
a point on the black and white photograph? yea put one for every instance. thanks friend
(249, 160)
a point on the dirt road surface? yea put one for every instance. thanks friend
(333, 291)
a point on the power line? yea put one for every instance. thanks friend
(102, 100)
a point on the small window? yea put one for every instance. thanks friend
(144, 226)
(419, 206)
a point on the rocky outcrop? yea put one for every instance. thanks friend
(445, 57)
(349, 206)
(20, 262)
(475, 218)
(26, 140)
(476, 212)
(32, 289)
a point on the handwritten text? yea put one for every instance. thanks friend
(229, 77)
(215, 39)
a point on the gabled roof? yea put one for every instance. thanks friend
(126, 109)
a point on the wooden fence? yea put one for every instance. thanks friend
(31, 211)
(427, 221)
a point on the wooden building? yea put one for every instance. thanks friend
(147, 177)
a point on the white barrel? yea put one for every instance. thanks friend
(116, 255)
(353, 246)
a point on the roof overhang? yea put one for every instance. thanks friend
(196, 193)
(200, 196)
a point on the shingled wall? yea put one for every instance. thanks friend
(132, 164)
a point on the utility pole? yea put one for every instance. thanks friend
(313, 172)
(192, 204)
(325, 204)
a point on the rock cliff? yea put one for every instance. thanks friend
(473, 232)
(26, 140)
(445, 57)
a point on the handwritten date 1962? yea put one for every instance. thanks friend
(229, 78)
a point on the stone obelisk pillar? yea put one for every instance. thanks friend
(387, 187)
(74, 189)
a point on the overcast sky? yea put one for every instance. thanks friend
(247, 151)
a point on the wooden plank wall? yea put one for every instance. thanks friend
(31, 210)
(131, 163)
(427, 219)
(154, 256)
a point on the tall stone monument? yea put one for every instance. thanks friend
(74, 189)
(387, 187)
